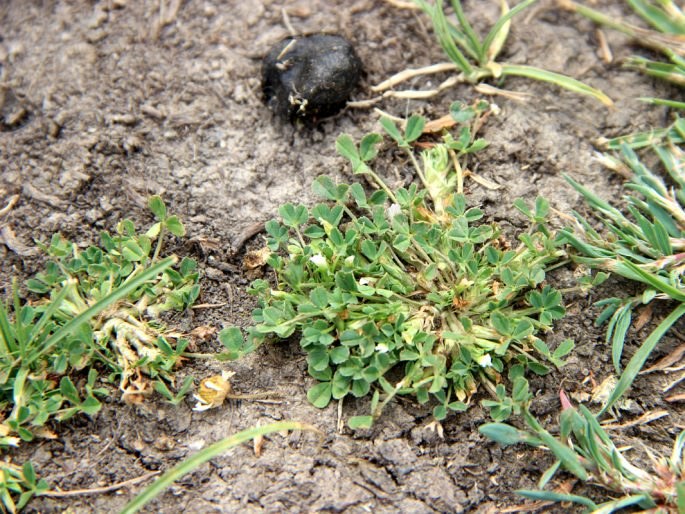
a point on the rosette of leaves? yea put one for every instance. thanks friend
(408, 292)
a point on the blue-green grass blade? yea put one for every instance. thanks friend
(678, 446)
(640, 357)
(616, 333)
(549, 474)
(592, 422)
(568, 457)
(643, 500)
(214, 450)
(557, 497)
(655, 234)
(672, 163)
(557, 79)
(457, 36)
(20, 331)
(680, 500)
(661, 216)
(595, 201)
(586, 249)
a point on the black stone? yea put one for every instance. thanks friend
(310, 77)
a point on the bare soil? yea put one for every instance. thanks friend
(107, 102)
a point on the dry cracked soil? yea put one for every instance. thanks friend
(108, 102)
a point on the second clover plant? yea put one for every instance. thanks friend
(412, 281)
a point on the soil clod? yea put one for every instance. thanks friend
(310, 77)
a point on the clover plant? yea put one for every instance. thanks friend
(409, 291)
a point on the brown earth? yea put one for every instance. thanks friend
(106, 103)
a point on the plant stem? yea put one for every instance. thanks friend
(160, 239)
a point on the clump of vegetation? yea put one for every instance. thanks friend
(95, 309)
(585, 449)
(475, 57)
(411, 281)
(645, 245)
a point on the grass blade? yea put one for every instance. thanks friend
(661, 70)
(663, 101)
(442, 30)
(471, 36)
(494, 41)
(569, 458)
(557, 497)
(640, 357)
(618, 328)
(457, 36)
(642, 139)
(53, 307)
(650, 279)
(7, 339)
(558, 79)
(205, 455)
(657, 18)
(622, 503)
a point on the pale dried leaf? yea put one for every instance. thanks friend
(667, 361)
(257, 444)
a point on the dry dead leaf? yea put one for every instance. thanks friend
(203, 332)
(667, 361)
(258, 443)
(256, 258)
(136, 391)
(647, 417)
(674, 383)
(580, 396)
(643, 318)
(439, 125)
(9, 238)
(676, 397)
(44, 433)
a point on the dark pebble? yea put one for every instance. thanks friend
(310, 77)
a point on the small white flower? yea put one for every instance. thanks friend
(382, 348)
(364, 281)
(349, 259)
(393, 210)
(495, 109)
(319, 260)
(485, 361)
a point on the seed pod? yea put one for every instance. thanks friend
(309, 77)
